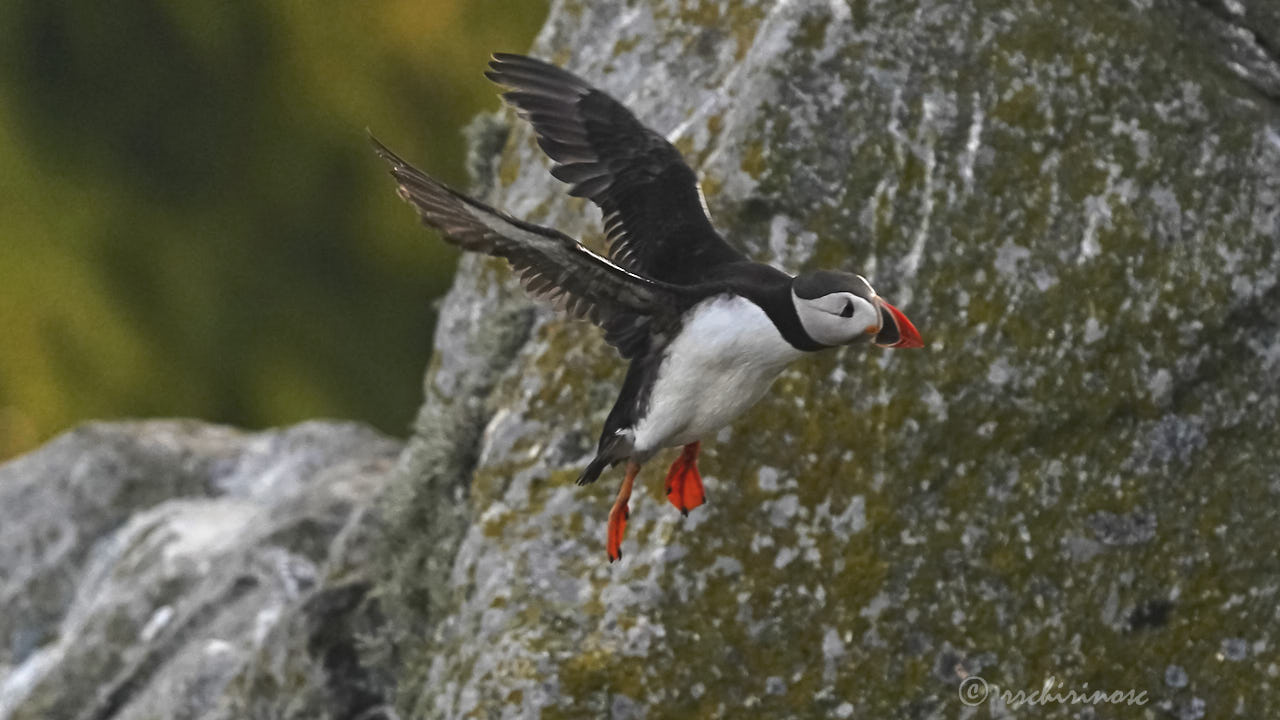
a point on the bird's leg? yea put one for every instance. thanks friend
(621, 509)
(684, 484)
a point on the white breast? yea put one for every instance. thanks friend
(722, 362)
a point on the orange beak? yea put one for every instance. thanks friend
(897, 331)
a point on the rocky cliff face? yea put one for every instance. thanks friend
(1079, 205)
(154, 570)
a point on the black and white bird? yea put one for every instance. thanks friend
(706, 330)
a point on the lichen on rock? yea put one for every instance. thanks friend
(1071, 481)
(145, 565)
(1078, 203)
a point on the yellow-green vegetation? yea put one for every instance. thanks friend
(193, 222)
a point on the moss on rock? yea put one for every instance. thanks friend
(1073, 480)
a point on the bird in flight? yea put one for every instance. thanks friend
(706, 330)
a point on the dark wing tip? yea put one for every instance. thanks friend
(514, 71)
(505, 57)
(408, 177)
(384, 152)
(500, 64)
(500, 59)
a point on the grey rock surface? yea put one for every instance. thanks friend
(148, 567)
(1076, 482)
(1079, 205)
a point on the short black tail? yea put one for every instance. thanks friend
(594, 468)
(612, 450)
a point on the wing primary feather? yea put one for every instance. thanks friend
(549, 264)
(591, 187)
(565, 152)
(657, 224)
(522, 64)
(540, 102)
(557, 126)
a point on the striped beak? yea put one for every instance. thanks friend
(896, 331)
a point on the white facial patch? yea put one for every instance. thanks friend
(837, 318)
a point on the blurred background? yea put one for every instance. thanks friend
(193, 223)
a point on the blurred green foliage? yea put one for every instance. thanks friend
(193, 223)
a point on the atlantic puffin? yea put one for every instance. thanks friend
(706, 330)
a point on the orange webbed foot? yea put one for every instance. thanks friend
(617, 528)
(619, 513)
(684, 483)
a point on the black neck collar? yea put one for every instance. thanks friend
(770, 289)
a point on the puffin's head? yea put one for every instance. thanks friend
(838, 308)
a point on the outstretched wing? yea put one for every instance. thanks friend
(550, 264)
(653, 212)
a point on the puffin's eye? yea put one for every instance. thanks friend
(848, 309)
